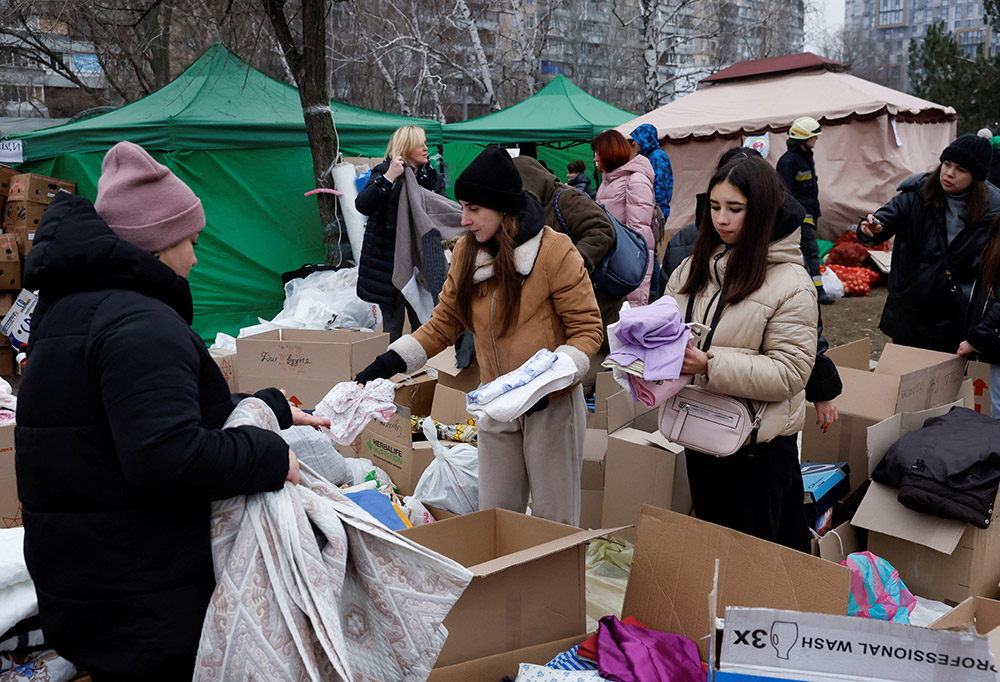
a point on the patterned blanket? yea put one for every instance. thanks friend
(310, 587)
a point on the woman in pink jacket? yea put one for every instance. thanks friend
(626, 191)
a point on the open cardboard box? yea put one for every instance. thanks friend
(673, 571)
(391, 446)
(942, 559)
(975, 614)
(529, 585)
(448, 373)
(837, 543)
(643, 468)
(495, 667)
(307, 363)
(905, 380)
(595, 448)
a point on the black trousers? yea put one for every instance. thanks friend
(810, 250)
(393, 316)
(759, 494)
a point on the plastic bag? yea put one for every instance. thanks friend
(416, 512)
(451, 481)
(877, 592)
(363, 470)
(327, 300)
(832, 284)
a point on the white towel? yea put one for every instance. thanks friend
(510, 405)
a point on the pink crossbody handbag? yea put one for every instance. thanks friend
(703, 420)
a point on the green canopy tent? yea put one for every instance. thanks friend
(561, 119)
(237, 137)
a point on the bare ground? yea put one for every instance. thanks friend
(850, 319)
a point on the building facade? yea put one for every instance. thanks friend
(893, 24)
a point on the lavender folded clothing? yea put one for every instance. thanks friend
(655, 334)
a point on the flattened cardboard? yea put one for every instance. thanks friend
(226, 360)
(10, 505)
(307, 363)
(942, 559)
(975, 614)
(674, 564)
(38, 188)
(905, 380)
(642, 468)
(528, 588)
(497, 666)
(450, 375)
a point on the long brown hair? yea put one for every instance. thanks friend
(508, 280)
(989, 261)
(747, 267)
(936, 197)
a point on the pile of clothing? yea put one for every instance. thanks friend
(622, 650)
(512, 394)
(647, 350)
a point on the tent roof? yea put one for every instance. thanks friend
(741, 107)
(559, 112)
(775, 65)
(219, 102)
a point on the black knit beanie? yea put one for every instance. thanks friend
(492, 181)
(972, 152)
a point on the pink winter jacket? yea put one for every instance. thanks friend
(627, 192)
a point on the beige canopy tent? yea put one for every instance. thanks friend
(873, 137)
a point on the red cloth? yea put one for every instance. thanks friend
(589, 647)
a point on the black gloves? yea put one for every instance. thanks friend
(383, 367)
(542, 403)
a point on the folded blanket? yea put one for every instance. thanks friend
(311, 587)
(508, 405)
(655, 334)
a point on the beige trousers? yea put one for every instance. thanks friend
(541, 455)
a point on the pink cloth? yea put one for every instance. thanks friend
(627, 653)
(627, 193)
(350, 407)
(653, 393)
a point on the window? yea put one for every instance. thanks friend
(971, 40)
(890, 13)
(549, 67)
(86, 63)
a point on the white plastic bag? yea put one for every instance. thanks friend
(363, 470)
(326, 300)
(832, 284)
(451, 481)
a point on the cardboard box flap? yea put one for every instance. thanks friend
(539, 551)
(855, 355)
(658, 439)
(881, 512)
(867, 394)
(899, 360)
(881, 436)
(445, 362)
(975, 613)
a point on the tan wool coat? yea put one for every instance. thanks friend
(558, 311)
(764, 346)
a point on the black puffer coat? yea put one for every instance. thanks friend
(119, 448)
(920, 310)
(378, 251)
(950, 467)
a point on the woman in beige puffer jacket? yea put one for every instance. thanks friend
(763, 349)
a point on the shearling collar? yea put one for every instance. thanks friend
(524, 259)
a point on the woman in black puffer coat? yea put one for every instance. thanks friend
(120, 451)
(379, 200)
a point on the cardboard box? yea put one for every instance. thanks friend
(7, 299)
(786, 644)
(673, 569)
(642, 468)
(975, 614)
(6, 174)
(6, 360)
(448, 373)
(595, 447)
(10, 505)
(497, 666)
(415, 391)
(605, 386)
(21, 220)
(529, 585)
(905, 380)
(824, 485)
(38, 188)
(226, 360)
(942, 559)
(10, 263)
(391, 446)
(16, 324)
(307, 363)
(838, 543)
(979, 375)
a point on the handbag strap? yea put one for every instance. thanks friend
(559, 217)
(715, 318)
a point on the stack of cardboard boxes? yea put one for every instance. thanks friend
(27, 197)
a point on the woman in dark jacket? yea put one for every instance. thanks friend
(941, 221)
(120, 450)
(379, 200)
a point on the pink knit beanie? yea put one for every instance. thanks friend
(143, 202)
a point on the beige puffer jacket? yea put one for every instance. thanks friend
(764, 346)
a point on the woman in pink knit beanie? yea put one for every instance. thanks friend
(120, 449)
